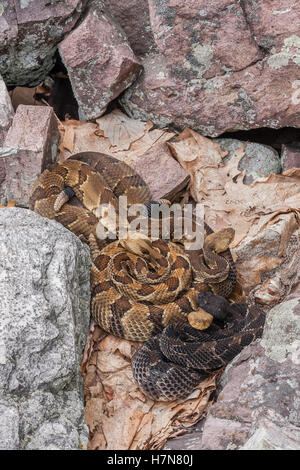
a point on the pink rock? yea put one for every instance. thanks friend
(203, 37)
(202, 80)
(133, 16)
(271, 21)
(290, 156)
(29, 148)
(34, 128)
(163, 174)
(222, 434)
(99, 60)
(8, 24)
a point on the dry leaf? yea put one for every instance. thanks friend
(190, 146)
(25, 95)
(264, 214)
(68, 139)
(221, 189)
(87, 137)
(199, 156)
(120, 129)
(82, 134)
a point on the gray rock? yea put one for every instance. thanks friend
(9, 428)
(44, 319)
(6, 117)
(29, 33)
(269, 436)
(6, 110)
(259, 160)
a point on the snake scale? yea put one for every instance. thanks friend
(146, 290)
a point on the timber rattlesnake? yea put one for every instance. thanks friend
(140, 287)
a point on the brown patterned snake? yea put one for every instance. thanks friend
(139, 287)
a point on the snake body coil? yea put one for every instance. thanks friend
(145, 291)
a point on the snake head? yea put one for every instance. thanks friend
(220, 241)
(200, 319)
(214, 304)
(140, 245)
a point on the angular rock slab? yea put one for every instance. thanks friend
(29, 34)
(99, 61)
(258, 406)
(271, 20)
(44, 319)
(290, 156)
(133, 17)
(259, 160)
(203, 37)
(30, 146)
(162, 173)
(199, 80)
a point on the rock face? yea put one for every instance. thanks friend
(203, 38)
(45, 295)
(290, 156)
(99, 60)
(134, 18)
(29, 34)
(155, 163)
(29, 148)
(199, 78)
(194, 74)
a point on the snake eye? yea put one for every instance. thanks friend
(203, 298)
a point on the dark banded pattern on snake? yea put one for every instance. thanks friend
(138, 290)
